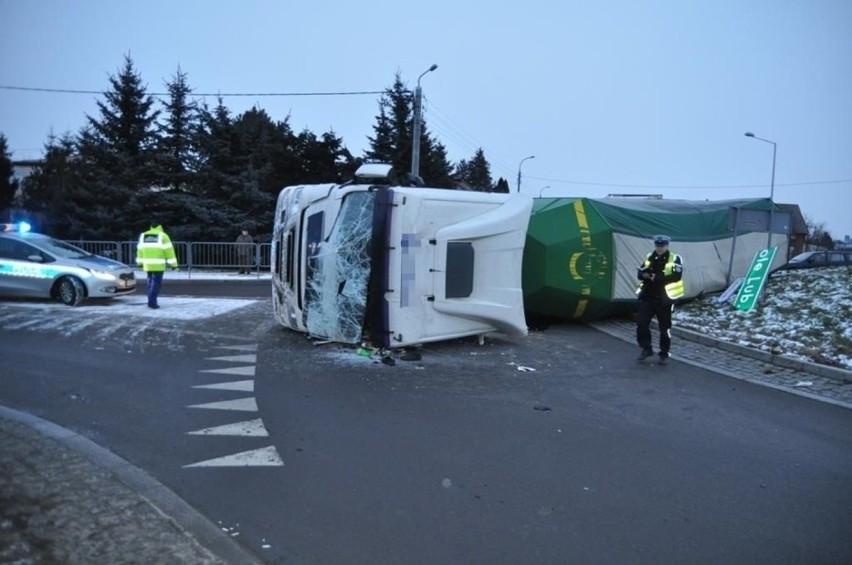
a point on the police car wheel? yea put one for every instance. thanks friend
(71, 291)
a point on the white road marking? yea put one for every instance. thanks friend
(248, 428)
(240, 347)
(244, 386)
(263, 457)
(248, 358)
(241, 404)
(247, 371)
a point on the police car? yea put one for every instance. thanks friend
(37, 265)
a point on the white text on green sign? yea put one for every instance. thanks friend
(753, 282)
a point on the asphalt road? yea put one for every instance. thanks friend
(244, 287)
(465, 456)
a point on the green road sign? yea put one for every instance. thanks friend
(753, 281)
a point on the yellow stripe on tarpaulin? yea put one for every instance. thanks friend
(581, 305)
(586, 240)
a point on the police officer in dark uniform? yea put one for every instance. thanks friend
(660, 284)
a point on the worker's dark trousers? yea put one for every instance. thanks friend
(155, 280)
(648, 308)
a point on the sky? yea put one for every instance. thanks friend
(610, 97)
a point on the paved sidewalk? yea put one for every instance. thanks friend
(64, 499)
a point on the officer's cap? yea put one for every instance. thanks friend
(662, 240)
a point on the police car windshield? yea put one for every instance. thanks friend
(62, 249)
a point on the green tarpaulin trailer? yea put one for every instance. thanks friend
(581, 254)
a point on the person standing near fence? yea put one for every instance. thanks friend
(245, 252)
(153, 252)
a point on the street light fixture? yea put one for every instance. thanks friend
(540, 192)
(519, 169)
(418, 106)
(771, 184)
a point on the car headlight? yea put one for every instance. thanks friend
(104, 275)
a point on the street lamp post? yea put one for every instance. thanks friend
(519, 169)
(415, 142)
(771, 185)
(540, 192)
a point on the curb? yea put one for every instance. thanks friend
(184, 517)
(825, 371)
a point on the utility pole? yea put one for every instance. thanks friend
(418, 108)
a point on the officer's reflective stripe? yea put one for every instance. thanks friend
(154, 245)
(674, 290)
(152, 261)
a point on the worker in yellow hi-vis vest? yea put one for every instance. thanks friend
(660, 285)
(154, 252)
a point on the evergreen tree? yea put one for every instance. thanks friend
(178, 149)
(116, 164)
(215, 143)
(8, 184)
(53, 189)
(323, 159)
(121, 143)
(502, 186)
(393, 130)
(435, 168)
(392, 142)
(476, 173)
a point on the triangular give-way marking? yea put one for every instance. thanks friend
(263, 457)
(248, 428)
(247, 358)
(242, 404)
(247, 371)
(244, 386)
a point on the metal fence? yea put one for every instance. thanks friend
(198, 255)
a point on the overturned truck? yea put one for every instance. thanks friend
(395, 265)
(581, 254)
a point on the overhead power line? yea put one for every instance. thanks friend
(687, 187)
(222, 94)
(450, 129)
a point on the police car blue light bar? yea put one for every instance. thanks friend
(21, 227)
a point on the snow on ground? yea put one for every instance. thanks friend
(171, 307)
(804, 314)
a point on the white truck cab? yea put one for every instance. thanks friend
(397, 266)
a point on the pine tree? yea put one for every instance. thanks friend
(121, 143)
(53, 189)
(502, 186)
(476, 173)
(392, 142)
(323, 159)
(215, 143)
(394, 125)
(117, 164)
(435, 168)
(178, 149)
(8, 184)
